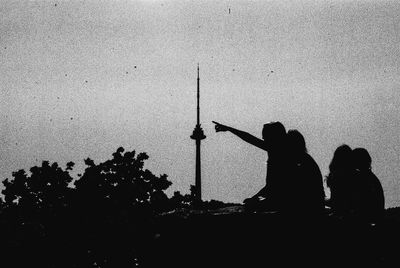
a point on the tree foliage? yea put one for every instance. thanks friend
(44, 190)
(123, 180)
(105, 220)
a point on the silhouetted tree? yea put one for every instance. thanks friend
(124, 181)
(44, 190)
(187, 201)
(115, 203)
(105, 221)
(34, 215)
(178, 201)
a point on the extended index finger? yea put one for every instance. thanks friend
(216, 122)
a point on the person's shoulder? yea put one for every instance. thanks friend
(308, 159)
(311, 164)
(373, 178)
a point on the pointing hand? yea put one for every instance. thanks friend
(219, 127)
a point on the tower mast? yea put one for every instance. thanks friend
(198, 135)
(198, 94)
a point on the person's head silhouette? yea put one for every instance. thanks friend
(361, 159)
(274, 134)
(296, 142)
(340, 169)
(341, 158)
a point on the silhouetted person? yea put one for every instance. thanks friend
(357, 197)
(341, 182)
(272, 196)
(369, 200)
(305, 191)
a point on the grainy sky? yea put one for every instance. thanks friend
(79, 79)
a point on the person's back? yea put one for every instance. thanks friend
(305, 190)
(273, 137)
(276, 183)
(341, 181)
(369, 200)
(313, 189)
(272, 197)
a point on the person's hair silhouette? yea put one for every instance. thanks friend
(305, 191)
(296, 142)
(355, 190)
(369, 200)
(273, 142)
(340, 181)
(361, 159)
(274, 134)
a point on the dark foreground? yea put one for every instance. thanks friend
(240, 239)
(226, 237)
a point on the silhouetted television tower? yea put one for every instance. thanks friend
(198, 135)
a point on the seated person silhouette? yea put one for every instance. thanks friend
(271, 197)
(340, 181)
(305, 191)
(356, 193)
(369, 200)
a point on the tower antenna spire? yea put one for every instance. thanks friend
(198, 94)
(198, 135)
